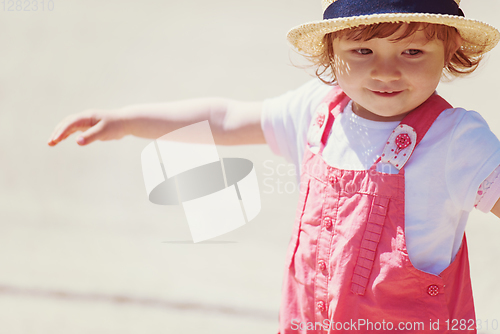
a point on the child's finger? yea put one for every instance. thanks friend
(92, 134)
(60, 131)
(54, 136)
(69, 126)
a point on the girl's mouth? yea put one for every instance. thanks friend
(387, 93)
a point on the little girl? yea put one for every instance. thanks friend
(389, 170)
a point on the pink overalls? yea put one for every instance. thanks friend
(348, 267)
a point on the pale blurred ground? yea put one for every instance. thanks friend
(81, 248)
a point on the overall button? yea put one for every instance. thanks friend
(331, 179)
(322, 265)
(327, 221)
(321, 306)
(433, 290)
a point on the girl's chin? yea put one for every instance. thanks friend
(379, 115)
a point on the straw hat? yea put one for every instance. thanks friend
(479, 37)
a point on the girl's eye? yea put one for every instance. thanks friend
(363, 51)
(412, 52)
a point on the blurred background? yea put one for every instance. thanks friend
(82, 250)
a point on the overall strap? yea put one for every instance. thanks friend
(335, 101)
(424, 116)
(408, 134)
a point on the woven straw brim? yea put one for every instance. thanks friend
(478, 37)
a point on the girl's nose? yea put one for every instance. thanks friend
(385, 70)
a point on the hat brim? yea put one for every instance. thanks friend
(478, 37)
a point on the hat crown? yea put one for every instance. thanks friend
(326, 3)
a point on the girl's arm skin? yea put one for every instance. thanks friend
(232, 122)
(496, 209)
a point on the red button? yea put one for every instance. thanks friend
(433, 290)
(328, 222)
(321, 306)
(322, 265)
(331, 179)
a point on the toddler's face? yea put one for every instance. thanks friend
(386, 79)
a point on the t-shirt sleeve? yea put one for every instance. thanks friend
(286, 118)
(488, 192)
(474, 153)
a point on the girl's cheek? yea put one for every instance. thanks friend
(340, 65)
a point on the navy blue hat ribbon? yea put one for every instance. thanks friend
(349, 8)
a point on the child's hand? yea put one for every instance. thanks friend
(96, 124)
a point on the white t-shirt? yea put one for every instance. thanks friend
(442, 176)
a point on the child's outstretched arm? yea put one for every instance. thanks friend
(232, 122)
